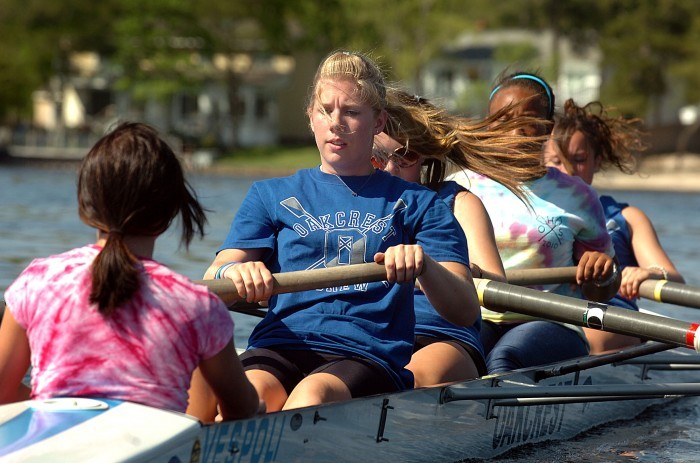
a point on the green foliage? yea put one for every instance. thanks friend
(163, 46)
(525, 54)
(641, 41)
(688, 70)
(405, 35)
(273, 157)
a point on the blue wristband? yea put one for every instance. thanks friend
(220, 271)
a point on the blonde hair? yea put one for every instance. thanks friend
(451, 142)
(355, 67)
(612, 140)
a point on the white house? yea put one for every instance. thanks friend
(464, 74)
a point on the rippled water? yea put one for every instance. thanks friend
(38, 217)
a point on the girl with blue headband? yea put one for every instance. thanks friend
(562, 226)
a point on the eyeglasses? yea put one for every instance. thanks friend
(401, 156)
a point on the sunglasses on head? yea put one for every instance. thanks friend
(401, 156)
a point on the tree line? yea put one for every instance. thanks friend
(648, 46)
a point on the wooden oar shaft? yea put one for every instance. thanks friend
(655, 290)
(670, 292)
(304, 280)
(507, 297)
(541, 276)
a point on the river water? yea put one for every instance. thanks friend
(38, 217)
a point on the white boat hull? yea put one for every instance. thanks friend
(412, 426)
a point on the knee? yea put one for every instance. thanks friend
(269, 389)
(504, 358)
(317, 389)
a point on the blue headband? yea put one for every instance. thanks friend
(533, 78)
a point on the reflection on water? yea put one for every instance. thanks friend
(39, 217)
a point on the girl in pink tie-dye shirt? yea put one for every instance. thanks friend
(105, 320)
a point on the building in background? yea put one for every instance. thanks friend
(462, 77)
(266, 103)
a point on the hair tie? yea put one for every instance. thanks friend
(115, 232)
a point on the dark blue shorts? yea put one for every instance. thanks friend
(511, 346)
(362, 376)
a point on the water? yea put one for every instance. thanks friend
(38, 217)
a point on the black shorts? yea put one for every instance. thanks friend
(421, 341)
(362, 376)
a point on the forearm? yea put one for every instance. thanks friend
(223, 376)
(662, 272)
(245, 405)
(450, 289)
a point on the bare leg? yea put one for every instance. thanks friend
(202, 400)
(441, 362)
(269, 389)
(316, 389)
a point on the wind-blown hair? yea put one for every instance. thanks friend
(531, 81)
(448, 142)
(614, 141)
(131, 184)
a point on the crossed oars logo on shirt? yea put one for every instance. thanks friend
(343, 246)
(550, 226)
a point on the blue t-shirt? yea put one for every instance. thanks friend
(428, 320)
(313, 220)
(622, 241)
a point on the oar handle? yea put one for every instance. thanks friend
(541, 276)
(656, 290)
(592, 290)
(304, 280)
(670, 292)
(502, 297)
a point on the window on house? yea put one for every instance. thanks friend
(261, 107)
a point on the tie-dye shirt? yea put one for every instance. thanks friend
(564, 220)
(145, 352)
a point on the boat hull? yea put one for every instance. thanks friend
(477, 419)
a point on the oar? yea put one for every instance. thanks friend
(671, 292)
(304, 280)
(541, 276)
(499, 296)
(655, 290)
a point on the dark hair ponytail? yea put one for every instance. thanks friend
(115, 276)
(131, 184)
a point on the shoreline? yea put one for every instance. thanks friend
(678, 173)
(669, 172)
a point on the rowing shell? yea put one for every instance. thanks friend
(476, 419)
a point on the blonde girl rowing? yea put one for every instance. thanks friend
(321, 346)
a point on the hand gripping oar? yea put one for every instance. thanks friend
(541, 276)
(655, 290)
(592, 290)
(304, 280)
(501, 297)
